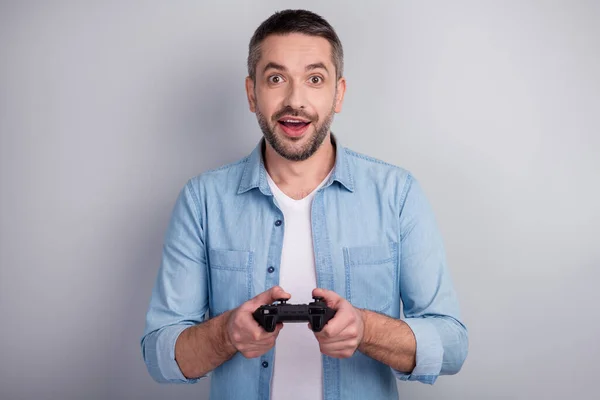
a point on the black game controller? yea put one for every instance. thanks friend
(316, 312)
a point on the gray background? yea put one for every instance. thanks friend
(106, 109)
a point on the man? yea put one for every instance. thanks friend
(302, 216)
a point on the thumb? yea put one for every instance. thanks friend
(269, 296)
(331, 298)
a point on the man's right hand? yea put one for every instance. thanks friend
(245, 334)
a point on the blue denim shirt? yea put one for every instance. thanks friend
(376, 244)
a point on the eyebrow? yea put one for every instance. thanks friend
(272, 65)
(318, 65)
(279, 67)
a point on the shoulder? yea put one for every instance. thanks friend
(222, 178)
(219, 174)
(366, 166)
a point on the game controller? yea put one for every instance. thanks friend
(316, 312)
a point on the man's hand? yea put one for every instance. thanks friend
(245, 334)
(342, 335)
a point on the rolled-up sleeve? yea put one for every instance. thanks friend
(159, 355)
(179, 297)
(429, 299)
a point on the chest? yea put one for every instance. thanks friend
(339, 242)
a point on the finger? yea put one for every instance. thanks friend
(257, 349)
(332, 299)
(259, 334)
(278, 328)
(327, 341)
(269, 296)
(350, 332)
(325, 333)
(341, 353)
(277, 292)
(337, 347)
(343, 318)
(323, 337)
(264, 344)
(347, 334)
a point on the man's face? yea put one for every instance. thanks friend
(295, 93)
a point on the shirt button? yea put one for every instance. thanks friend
(271, 269)
(265, 364)
(278, 222)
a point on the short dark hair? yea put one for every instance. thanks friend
(295, 21)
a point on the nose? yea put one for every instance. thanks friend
(295, 96)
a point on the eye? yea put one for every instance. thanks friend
(315, 80)
(275, 79)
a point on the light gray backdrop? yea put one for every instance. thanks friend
(106, 109)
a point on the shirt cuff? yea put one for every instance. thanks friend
(429, 355)
(161, 349)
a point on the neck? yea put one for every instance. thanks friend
(300, 176)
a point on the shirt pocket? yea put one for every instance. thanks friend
(230, 279)
(371, 276)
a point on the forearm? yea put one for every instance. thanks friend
(388, 340)
(202, 348)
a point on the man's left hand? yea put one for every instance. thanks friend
(342, 335)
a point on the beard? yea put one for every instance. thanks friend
(316, 134)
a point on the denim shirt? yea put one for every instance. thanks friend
(376, 244)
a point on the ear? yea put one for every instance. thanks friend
(250, 94)
(341, 90)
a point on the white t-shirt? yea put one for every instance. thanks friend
(297, 372)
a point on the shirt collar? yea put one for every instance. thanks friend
(255, 173)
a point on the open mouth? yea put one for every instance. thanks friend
(293, 126)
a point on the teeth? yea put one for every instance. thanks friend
(290, 121)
